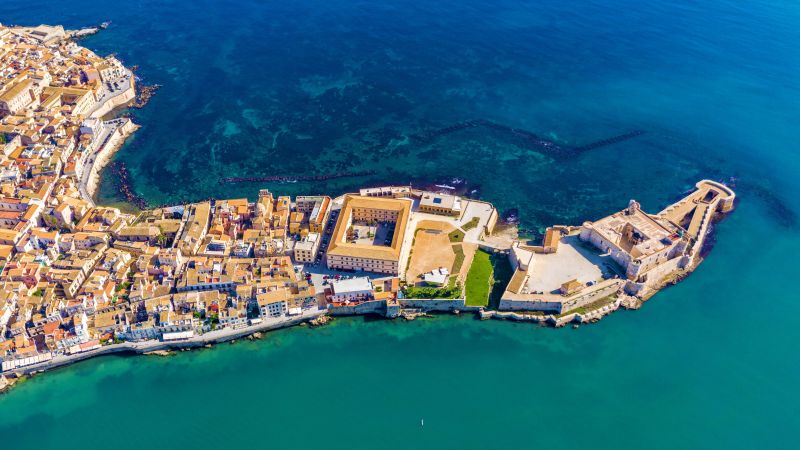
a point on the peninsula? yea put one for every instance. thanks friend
(81, 280)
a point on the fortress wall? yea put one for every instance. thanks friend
(433, 304)
(370, 307)
(119, 100)
(104, 156)
(529, 305)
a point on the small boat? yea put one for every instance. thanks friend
(105, 25)
(422, 422)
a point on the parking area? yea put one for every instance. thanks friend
(321, 276)
(574, 260)
(368, 234)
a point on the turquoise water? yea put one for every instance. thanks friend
(253, 88)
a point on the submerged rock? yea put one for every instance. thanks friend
(255, 336)
(321, 320)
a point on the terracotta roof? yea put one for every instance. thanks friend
(339, 247)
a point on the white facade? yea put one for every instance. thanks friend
(351, 289)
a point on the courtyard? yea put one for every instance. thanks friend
(574, 260)
(372, 234)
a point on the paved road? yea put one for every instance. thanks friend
(216, 336)
(107, 94)
(105, 134)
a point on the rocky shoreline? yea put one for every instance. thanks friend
(144, 94)
(160, 348)
(104, 157)
(124, 186)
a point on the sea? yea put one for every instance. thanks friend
(364, 89)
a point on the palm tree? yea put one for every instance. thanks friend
(161, 239)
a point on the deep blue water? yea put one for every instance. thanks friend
(255, 88)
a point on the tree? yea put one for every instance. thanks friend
(161, 239)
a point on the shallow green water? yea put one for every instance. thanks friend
(259, 88)
(706, 364)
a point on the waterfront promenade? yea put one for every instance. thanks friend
(154, 345)
(76, 274)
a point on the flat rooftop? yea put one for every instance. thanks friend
(346, 286)
(649, 235)
(441, 201)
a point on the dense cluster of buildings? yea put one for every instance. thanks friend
(55, 247)
(76, 276)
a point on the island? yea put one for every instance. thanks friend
(81, 280)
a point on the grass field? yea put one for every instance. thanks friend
(479, 279)
(459, 260)
(471, 224)
(597, 304)
(456, 235)
(452, 290)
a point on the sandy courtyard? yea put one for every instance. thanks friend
(432, 249)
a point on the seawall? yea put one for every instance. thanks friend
(103, 157)
(118, 100)
(212, 337)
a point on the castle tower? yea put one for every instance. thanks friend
(633, 206)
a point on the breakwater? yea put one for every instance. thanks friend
(609, 141)
(144, 95)
(295, 178)
(527, 137)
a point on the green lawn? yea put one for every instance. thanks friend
(479, 279)
(597, 304)
(456, 235)
(459, 261)
(452, 290)
(471, 224)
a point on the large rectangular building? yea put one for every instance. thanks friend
(443, 204)
(347, 253)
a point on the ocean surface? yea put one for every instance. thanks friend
(303, 88)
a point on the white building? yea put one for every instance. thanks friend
(443, 204)
(352, 289)
(635, 240)
(436, 277)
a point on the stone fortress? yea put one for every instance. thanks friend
(79, 280)
(629, 253)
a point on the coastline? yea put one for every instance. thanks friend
(157, 347)
(653, 251)
(415, 308)
(90, 182)
(105, 155)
